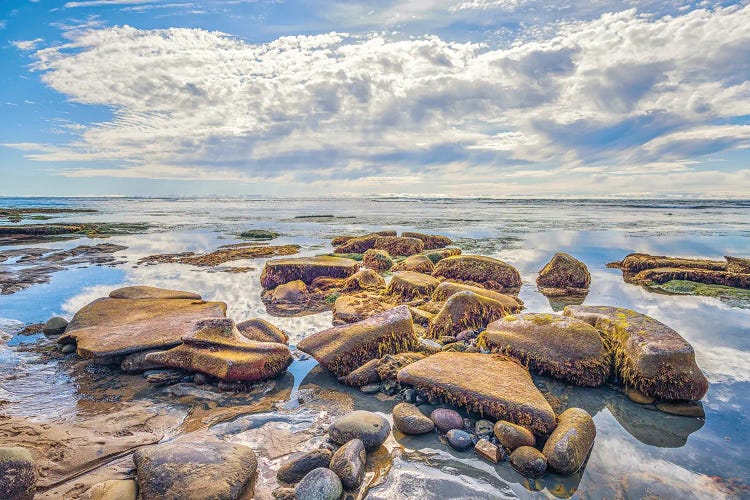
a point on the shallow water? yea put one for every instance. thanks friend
(635, 447)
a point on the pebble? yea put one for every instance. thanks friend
(446, 419)
(298, 467)
(68, 349)
(489, 451)
(483, 427)
(528, 461)
(459, 440)
(55, 326)
(372, 429)
(349, 464)
(370, 388)
(683, 409)
(638, 397)
(513, 436)
(319, 484)
(200, 379)
(408, 419)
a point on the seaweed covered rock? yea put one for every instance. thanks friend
(364, 375)
(379, 260)
(738, 265)
(559, 346)
(150, 292)
(359, 306)
(370, 428)
(344, 348)
(430, 241)
(407, 286)
(17, 473)
(564, 275)
(55, 326)
(292, 293)
(218, 349)
(528, 461)
(465, 310)
(512, 436)
(486, 271)
(340, 240)
(416, 263)
(636, 262)
(662, 275)
(408, 419)
(441, 253)
(194, 470)
(390, 364)
(494, 385)
(447, 289)
(396, 245)
(261, 330)
(648, 355)
(570, 442)
(360, 244)
(279, 271)
(118, 327)
(364, 279)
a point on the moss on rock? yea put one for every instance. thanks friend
(465, 310)
(448, 288)
(488, 272)
(396, 245)
(430, 241)
(564, 275)
(415, 263)
(280, 271)
(570, 442)
(407, 286)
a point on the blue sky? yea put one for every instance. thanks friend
(431, 97)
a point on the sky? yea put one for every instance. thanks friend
(498, 98)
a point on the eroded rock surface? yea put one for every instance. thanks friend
(280, 271)
(564, 275)
(486, 271)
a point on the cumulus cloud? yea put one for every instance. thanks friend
(622, 95)
(26, 44)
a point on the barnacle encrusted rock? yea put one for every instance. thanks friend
(648, 355)
(118, 327)
(216, 347)
(430, 241)
(465, 310)
(407, 285)
(396, 245)
(448, 288)
(343, 348)
(494, 385)
(377, 259)
(488, 272)
(261, 330)
(280, 271)
(417, 263)
(564, 275)
(560, 346)
(570, 442)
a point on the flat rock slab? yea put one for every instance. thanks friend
(560, 346)
(150, 292)
(488, 272)
(648, 355)
(448, 288)
(117, 327)
(342, 349)
(493, 385)
(408, 285)
(360, 306)
(280, 271)
(194, 470)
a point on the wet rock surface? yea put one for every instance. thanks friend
(17, 473)
(528, 461)
(564, 275)
(465, 310)
(512, 436)
(370, 428)
(228, 253)
(446, 419)
(279, 271)
(491, 273)
(261, 330)
(349, 464)
(408, 419)
(319, 484)
(415, 263)
(396, 245)
(407, 286)
(378, 260)
(295, 469)
(570, 442)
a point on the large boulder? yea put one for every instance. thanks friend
(359, 244)
(343, 348)
(118, 327)
(359, 306)
(570, 442)
(298, 466)
(486, 271)
(17, 473)
(447, 289)
(416, 263)
(648, 355)
(261, 330)
(407, 286)
(194, 470)
(377, 259)
(217, 348)
(280, 271)
(559, 346)
(430, 241)
(319, 484)
(564, 275)
(364, 279)
(493, 385)
(150, 292)
(636, 262)
(465, 310)
(370, 428)
(396, 245)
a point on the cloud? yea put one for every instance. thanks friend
(97, 3)
(26, 44)
(618, 101)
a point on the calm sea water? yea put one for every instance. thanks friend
(635, 448)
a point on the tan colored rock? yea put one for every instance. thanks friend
(396, 245)
(364, 279)
(149, 292)
(486, 271)
(738, 265)
(379, 260)
(430, 241)
(280, 271)
(294, 292)
(638, 397)
(407, 286)
(358, 307)
(494, 385)
(513, 436)
(465, 310)
(114, 489)
(488, 451)
(448, 288)
(636, 262)
(437, 255)
(570, 442)
(564, 275)
(364, 375)
(261, 330)
(415, 263)
(390, 364)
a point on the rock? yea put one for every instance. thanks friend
(280, 271)
(430, 241)
(283, 494)
(408, 419)
(483, 427)
(489, 451)
(446, 419)
(437, 255)
(638, 397)
(648, 355)
(359, 244)
(340, 240)
(261, 330)
(559, 346)
(114, 489)
(137, 363)
(150, 292)
(682, 408)
(512, 436)
(163, 376)
(429, 346)
(17, 473)
(68, 349)
(395, 245)
(390, 364)
(364, 279)
(459, 439)
(636, 262)
(738, 265)
(488, 272)
(447, 289)
(370, 428)
(295, 292)
(118, 327)
(200, 379)
(420, 316)
(295, 469)
(325, 283)
(364, 375)
(217, 348)
(187, 470)
(319, 484)
(55, 326)
(465, 310)
(660, 276)
(358, 307)
(342, 349)
(528, 461)
(564, 275)
(259, 234)
(407, 286)
(349, 464)
(415, 263)
(493, 385)
(379, 260)
(371, 388)
(570, 442)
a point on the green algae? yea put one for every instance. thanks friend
(735, 297)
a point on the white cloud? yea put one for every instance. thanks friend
(26, 44)
(96, 3)
(614, 101)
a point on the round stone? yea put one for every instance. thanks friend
(528, 461)
(298, 467)
(408, 419)
(512, 436)
(68, 349)
(319, 484)
(459, 440)
(372, 429)
(55, 326)
(483, 427)
(446, 419)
